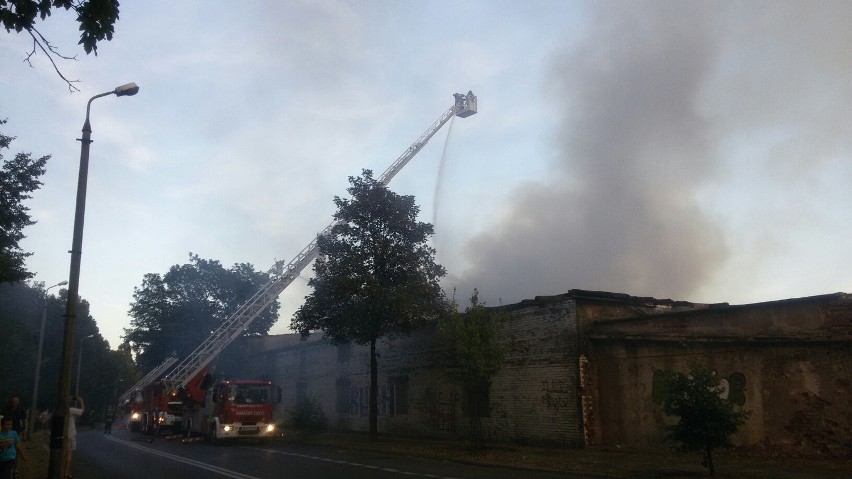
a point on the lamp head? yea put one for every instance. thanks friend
(128, 89)
(62, 283)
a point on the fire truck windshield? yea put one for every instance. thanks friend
(249, 393)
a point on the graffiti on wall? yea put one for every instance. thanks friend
(501, 420)
(732, 387)
(438, 409)
(359, 400)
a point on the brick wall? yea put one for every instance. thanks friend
(584, 369)
(788, 362)
(535, 398)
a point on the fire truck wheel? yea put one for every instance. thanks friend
(212, 437)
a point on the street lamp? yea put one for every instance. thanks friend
(34, 408)
(79, 362)
(59, 444)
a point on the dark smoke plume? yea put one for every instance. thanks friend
(619, 212)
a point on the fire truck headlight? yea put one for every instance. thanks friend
(227, 428)
(135, 415)
(270, 427)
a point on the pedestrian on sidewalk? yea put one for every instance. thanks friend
(74, 410)
(14, 411)
(10, 449)
(108, 420)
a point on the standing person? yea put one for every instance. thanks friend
(17, 414)
(10, 448)
(44, 420)
(108, 420)
(74, 410)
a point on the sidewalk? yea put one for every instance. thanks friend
(592, 463)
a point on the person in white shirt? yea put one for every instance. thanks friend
(74, 411)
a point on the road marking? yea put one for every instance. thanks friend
(354, 464)
(174, 457)
(239, 475)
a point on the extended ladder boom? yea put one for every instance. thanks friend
(464, 106)
(151, 376)
(283, 275)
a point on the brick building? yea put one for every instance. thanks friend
(789, 362)
(583, 369)
(533, 399)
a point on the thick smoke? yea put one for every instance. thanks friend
(691, 136)
(619, 212)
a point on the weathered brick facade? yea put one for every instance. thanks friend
(533, 399)
(789, 362)
(585, 368)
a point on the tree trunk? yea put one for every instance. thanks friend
(709, 459)
(476, 392)
(374, 391)
(477, 446)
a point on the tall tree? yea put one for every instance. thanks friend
(102, 371)
(96, 18)
(376, 275)
(19, 177)
(707, 421)
(175, 312)
(478, 357)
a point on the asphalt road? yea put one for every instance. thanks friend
(131, 456)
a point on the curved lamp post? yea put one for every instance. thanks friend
(59, 426)
(34, 407)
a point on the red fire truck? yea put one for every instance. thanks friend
(217, 410)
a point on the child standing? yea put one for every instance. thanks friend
(10, 448)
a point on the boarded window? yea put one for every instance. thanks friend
(400, 386)
(477, 402)
(342, 386)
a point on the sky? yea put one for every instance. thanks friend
(698, 151)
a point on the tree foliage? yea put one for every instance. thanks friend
(96, 19)
(477, 356)
(376, 275)
(19, 177)
(473, 338)
(176, 312)
(707, 421)
(103, 371)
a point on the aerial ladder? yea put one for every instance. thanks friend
(282, 275)
(148, 378)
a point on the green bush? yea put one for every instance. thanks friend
(309, 415)
(707, 421)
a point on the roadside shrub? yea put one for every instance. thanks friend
(309, 415)
(707, 421)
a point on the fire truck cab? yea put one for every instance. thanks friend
(238, 408)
